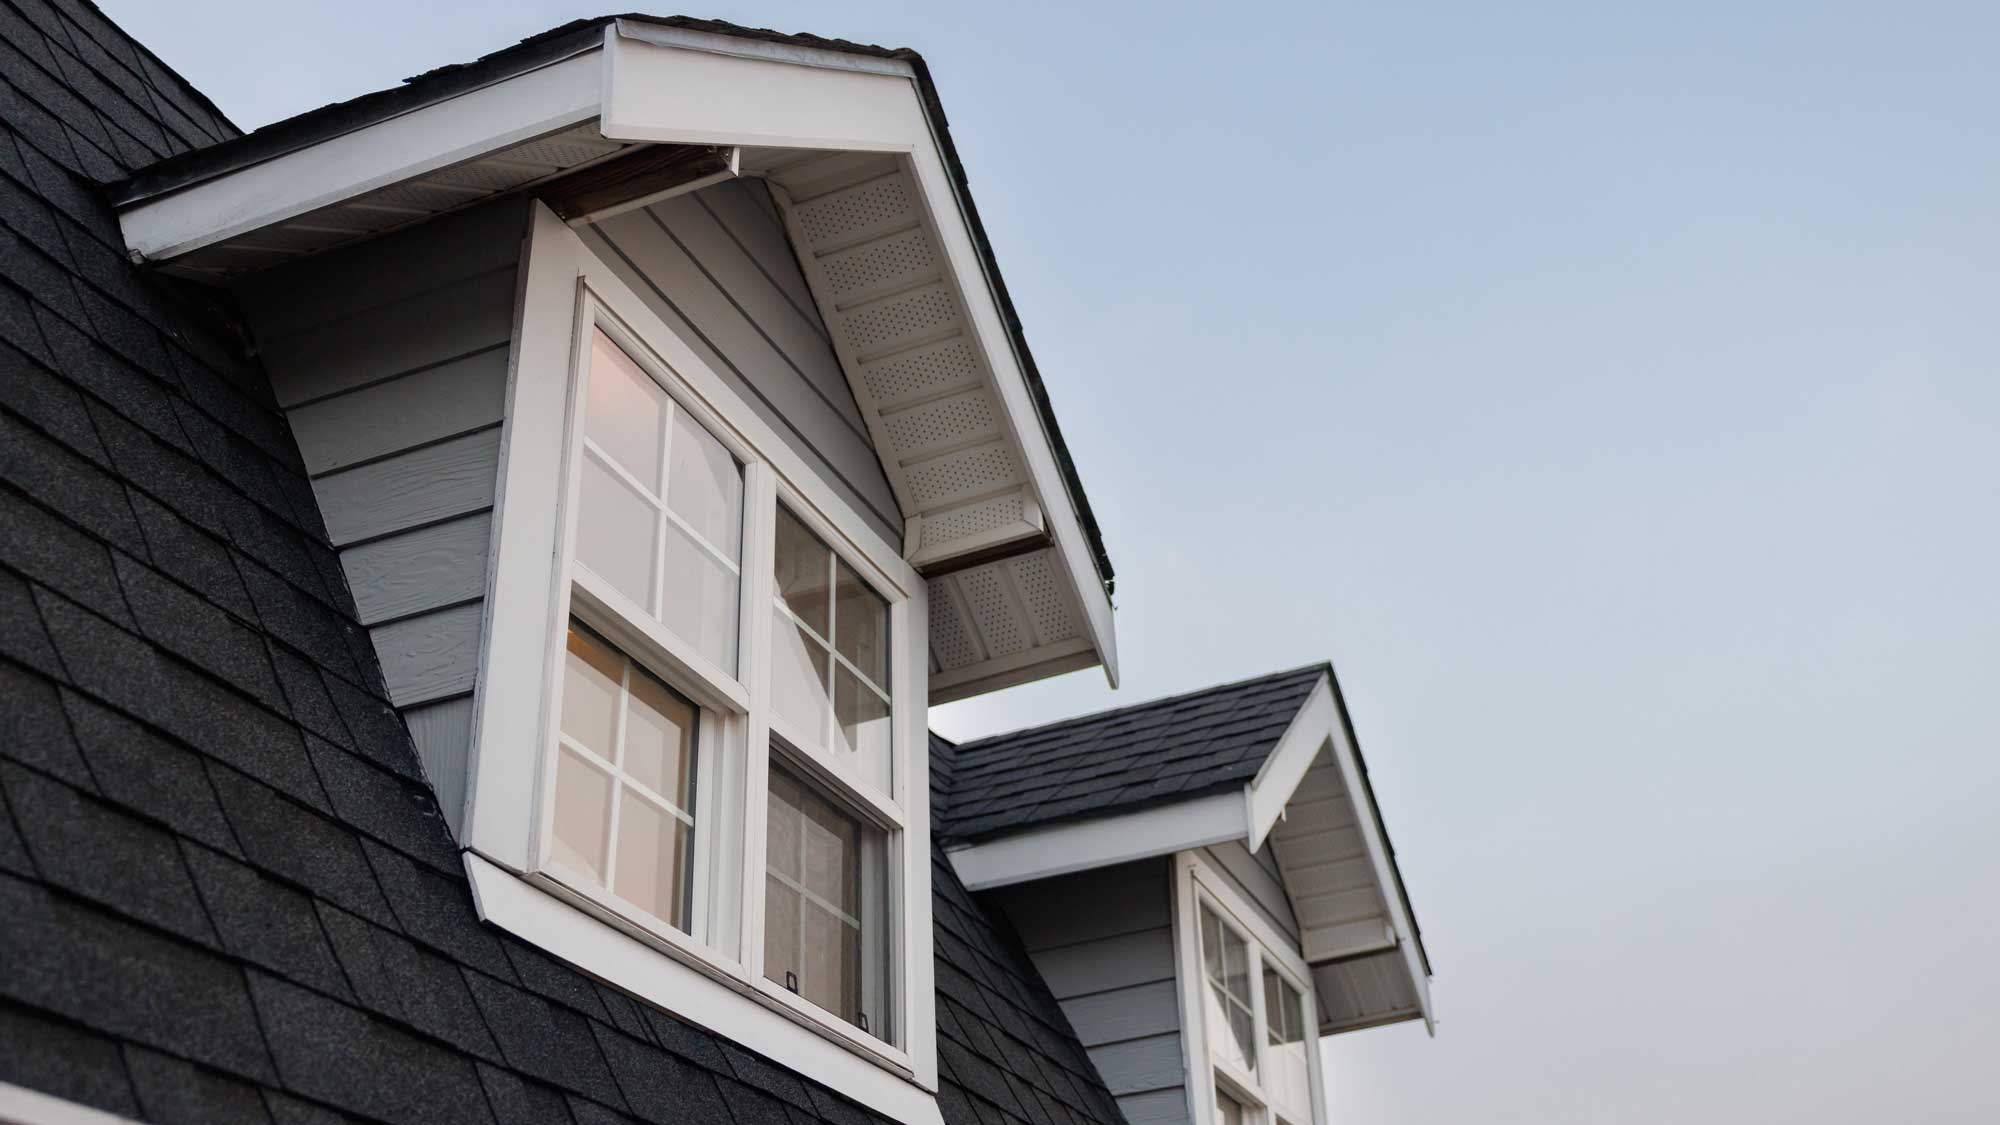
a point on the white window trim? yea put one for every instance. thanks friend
(1196, 879)
(563, 285)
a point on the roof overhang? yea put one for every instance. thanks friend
(854, 145)
(1312, 802)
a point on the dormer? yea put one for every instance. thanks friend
(1207, 885)
(680, 446)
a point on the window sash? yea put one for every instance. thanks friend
(536, 588)
(741, 702)
(1206, 897)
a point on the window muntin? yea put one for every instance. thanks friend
(660, 505)
(830, 630)
(826, 920)
(1232, 1019)
(625, 760)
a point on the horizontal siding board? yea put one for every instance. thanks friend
(747, 284)
(1117, 962)
(424, 569)
(1125, 1013)
(452, 398)
(1156, 1107)
(1138, 1065)
(1256, 884)
(437, 482)
(443, 734)
(702, 316)
(431, 656)
(745, 210)
(384, 271)
(457, 319)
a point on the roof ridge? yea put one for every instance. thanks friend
(980, 742)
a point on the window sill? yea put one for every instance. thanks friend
(745, 1016)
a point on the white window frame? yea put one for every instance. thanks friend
(1197, 882)
(565, 291)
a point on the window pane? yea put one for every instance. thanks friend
(615, 532)
(624, 411)
(861, 626)
(698, 599)
(783, 942)
(583, 816)
(1228, 1111)
(652, 859)
(836, 951)
(798, 681)
(831, 842)
(803, 569)
(1284, 1032)
(590, 693)
(1225, 961)
(832, 971)
(659, 739)
(782, 835)
(705, 487)
(863, 726)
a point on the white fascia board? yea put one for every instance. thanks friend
(679, 92)
(661, 85)
(1042, 853)
(506, 113)
(1286, 766)
(22, 1106)
(1347, 758)
(1024, 421)
(519, 907)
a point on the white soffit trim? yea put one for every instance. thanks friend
(1042, 853)
(22, 1106)
(435, 136)
(1347, 757)
(540, 918)
(1278, 778)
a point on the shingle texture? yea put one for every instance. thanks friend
(1116, 761)
(225, 893)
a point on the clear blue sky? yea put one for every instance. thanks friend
(1613, 395)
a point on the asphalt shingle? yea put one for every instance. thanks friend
(1166, 750)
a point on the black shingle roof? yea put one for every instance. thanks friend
(1147, 754)
(225, 892)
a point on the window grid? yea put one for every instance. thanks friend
(623, 782)
(830, 661)
(1216, 968)
(603, 459)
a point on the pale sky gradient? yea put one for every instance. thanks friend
(1614, 396)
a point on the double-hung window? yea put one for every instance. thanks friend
(1254, 1047)
(705, 729)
